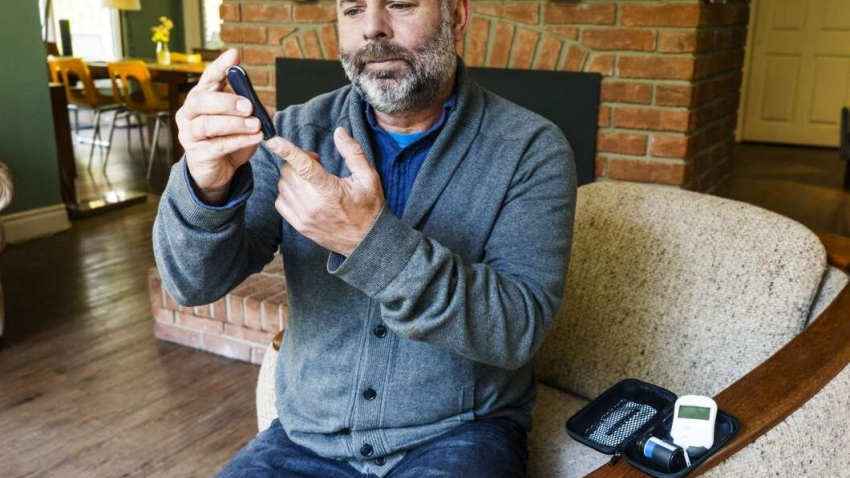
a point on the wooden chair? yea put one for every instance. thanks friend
(53, 77)
(50, 48)
(71, 70)
(144, 102)
(764, 301)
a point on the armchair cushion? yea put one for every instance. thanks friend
(834, 280)
(812, 441)
(7, 190)
(552, 453)
(660, 274)
(266, 411)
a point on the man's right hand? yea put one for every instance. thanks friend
(217, 131)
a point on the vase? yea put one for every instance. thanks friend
(163, 54)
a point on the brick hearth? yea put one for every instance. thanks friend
(240, 325)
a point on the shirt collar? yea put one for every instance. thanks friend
(447, 108)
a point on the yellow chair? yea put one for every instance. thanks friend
(145, 101)
(177, 57)
(71, 70)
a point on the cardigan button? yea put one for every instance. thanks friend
(367, 450)
(380, 461)
(370, 394)
(380, 331)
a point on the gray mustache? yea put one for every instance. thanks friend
(380, 52)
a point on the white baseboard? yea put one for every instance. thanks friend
(35, 223)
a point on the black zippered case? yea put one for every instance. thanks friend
(617, 420)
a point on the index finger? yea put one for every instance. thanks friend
(302, 162)
(213, 77)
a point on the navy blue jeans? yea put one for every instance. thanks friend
(495, 448)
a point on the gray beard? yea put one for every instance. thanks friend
(412, 86)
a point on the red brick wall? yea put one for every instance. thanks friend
(672, 70)
(239, 326)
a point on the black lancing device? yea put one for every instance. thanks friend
(242, 86)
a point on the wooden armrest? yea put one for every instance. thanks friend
(276, 341)
(783, 383)
(837, 249)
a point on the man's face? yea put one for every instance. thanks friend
(398, 54)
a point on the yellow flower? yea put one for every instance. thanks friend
(162, 32)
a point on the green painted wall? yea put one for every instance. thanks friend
(137, 27)
(27, 144)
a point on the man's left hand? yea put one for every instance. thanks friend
(332, 212)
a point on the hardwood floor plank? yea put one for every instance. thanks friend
(85, 388)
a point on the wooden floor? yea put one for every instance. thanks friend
(86, 390)
(126, 167)
(801, 183)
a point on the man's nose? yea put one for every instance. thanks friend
(377, 27)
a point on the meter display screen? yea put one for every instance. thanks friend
(694, 413)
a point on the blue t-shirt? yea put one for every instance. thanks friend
(399, 157)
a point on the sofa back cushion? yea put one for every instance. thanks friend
(833, 282)
(684, 290)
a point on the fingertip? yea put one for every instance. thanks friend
(284, 147)
(232, 56)
(274, 143)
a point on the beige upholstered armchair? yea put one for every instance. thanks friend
(7, 189)
(662, 279)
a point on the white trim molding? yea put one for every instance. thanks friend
(749, 46)
(34, 223)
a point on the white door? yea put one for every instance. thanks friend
(800, 72)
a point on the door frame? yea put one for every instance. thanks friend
(745, 79)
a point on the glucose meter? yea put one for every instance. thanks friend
(242, 86)
(693, 422)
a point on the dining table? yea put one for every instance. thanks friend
(179, 78)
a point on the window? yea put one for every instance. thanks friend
(212, 24)
(95, 30)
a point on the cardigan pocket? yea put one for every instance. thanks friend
(427, 385)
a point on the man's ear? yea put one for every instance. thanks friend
(460, 15)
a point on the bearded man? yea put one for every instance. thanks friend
(425, 224)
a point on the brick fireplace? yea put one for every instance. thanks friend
(240, 325)
(670, 92)
(672, 70)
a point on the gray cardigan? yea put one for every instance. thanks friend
(466, 283)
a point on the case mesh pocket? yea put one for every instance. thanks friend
(620, 422)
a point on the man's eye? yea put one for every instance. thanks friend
(403, 6)
(352, 11)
